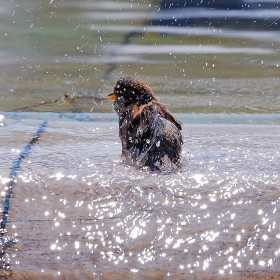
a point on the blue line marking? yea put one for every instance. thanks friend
(13, 174)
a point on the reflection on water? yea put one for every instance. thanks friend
(98, 217)
(82, 48)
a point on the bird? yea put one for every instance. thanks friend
(150, 135)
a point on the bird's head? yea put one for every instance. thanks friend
(129, 92)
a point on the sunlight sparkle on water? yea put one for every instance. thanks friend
(77, 244)
(4, 180)
(189, 222)
(58, 176)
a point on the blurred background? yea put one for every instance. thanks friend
(198, 56)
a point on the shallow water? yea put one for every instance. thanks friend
(82, 48)
(75, 210)
(217, 217)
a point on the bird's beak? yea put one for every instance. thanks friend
(112, 96)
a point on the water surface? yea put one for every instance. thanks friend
(82, 48)
(76, 210)
(97, 217)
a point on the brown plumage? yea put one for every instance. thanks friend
(149, 133)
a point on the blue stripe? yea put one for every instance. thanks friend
(13, 174)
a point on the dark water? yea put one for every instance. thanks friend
(82, 48)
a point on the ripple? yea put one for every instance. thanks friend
(218, 215)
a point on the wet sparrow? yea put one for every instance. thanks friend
(149, 134)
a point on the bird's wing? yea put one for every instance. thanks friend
(152, 108)
(156, 130)
(167, 115)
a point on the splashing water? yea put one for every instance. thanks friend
(98, 217)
